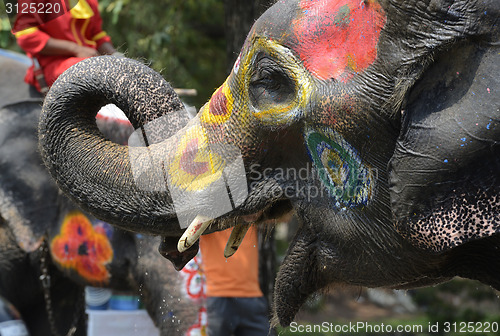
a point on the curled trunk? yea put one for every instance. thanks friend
(94, 171)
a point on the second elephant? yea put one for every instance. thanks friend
(82, 251)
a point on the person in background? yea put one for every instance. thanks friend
(235, 303)
(55, 44)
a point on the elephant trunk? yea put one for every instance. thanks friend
(96, 173)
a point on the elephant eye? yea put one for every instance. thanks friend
(270, 85)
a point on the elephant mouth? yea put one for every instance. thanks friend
(168, 249)
(179, 251)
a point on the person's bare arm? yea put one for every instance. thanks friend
(67, 48)
(106, 49)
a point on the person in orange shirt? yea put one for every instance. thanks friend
(56, 42)
(235, 303)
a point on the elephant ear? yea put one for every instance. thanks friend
(445, 172)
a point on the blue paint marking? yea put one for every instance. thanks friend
(488, 126)
(445, 160)
(339, 167)
(108, 229)
(463, 139)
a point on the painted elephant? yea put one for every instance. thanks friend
(377, 122)
(81, 250)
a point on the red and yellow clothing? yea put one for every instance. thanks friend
(237, 276)
(82, 25)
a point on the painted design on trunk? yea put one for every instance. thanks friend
(82, 248)
(204, 177)
(339, 167)
(337, 39)
(220, 106)
(194, 286)
(195, 166)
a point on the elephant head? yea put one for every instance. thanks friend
(375, 121)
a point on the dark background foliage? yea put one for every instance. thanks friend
(182, 39)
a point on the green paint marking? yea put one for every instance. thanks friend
(339, 167)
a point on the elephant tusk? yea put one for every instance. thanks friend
(193, 232)
(235, 239)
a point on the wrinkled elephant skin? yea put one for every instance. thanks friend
(377, 122)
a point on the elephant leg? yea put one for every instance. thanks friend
(67, 304)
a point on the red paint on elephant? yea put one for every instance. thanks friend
(83, 249)
(187, 161)
(218, 103)
(337, 39)
(200, 327)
